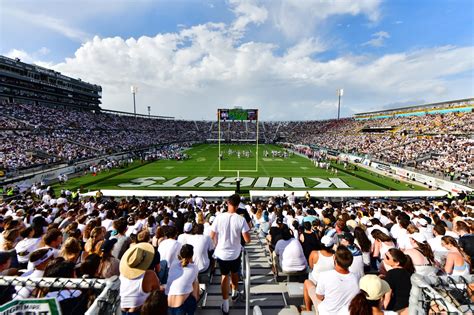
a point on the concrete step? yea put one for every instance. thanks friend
(292, 310)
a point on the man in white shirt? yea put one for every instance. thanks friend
(203, 246)
(226, 231)
(439, 250)
(337, 287)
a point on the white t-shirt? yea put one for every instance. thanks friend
(180, 279)
(338, 290)
(357, 267)
(291, 255)
(202, 246)
(169, 250)
(229, 228)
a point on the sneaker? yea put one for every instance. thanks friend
(222, 309)
(235, 296)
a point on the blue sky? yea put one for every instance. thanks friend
(285, 57)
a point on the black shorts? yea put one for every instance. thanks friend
(227, 266)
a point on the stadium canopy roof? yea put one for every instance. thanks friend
(465, 101)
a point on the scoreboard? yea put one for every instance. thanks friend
(238, 114)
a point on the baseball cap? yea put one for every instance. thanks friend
(420, 238)
(327, 241)
(187, 227)
(374, 287)
(422, 222)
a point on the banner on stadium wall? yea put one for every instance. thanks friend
(410, 175)
(50, 175)
(44, 306)
(430, 181)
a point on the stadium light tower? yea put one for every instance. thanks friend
(340, 92)
(134, 90)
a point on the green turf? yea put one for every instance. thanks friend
(204, 162)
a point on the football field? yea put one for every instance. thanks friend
(271, 168)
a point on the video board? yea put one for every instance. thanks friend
(238, 114)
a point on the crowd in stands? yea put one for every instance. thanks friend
(160, 248)
(36, 135)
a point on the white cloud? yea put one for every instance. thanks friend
(18, 53)
(306, 48)
(298, 18)
(378, 39)
(247, 12)
(48, 22)
(191, 73)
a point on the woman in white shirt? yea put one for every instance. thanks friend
(290, 253)
(182, 287)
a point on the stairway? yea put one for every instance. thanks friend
(265, 292)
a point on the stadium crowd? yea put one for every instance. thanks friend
(441, 144)
(160, 248)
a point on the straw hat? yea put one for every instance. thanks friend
(136, 260)
(374, 287)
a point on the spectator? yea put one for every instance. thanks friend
(357, 266)
(457, 261)
(168, 249)
(309, 240)
(182, 287)
(72, 302)
(320, 261)
(109, 265)
(336, 288)
(398, 277)
(421, 255)
(369, 300)
(123, 241)
(289, 255)
(203, 248)
(226, 231)
(466, 239)
(71, 250)
(39, 259)
(136, 281)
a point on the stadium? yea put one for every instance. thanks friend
(107, 211)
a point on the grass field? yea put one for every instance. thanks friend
(204, 170)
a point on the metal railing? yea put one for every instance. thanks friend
(441, 295)
(105, 293)
(246, 276)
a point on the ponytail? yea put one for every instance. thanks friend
(466, 257)
(360, 304)
(426, 250)
(403, 260)
(186, 254)
(408, 265)
(452, 241)
(184, 261)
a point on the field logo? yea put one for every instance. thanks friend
(229, 182)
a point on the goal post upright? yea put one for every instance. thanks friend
(219, 136)
(238, 171)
